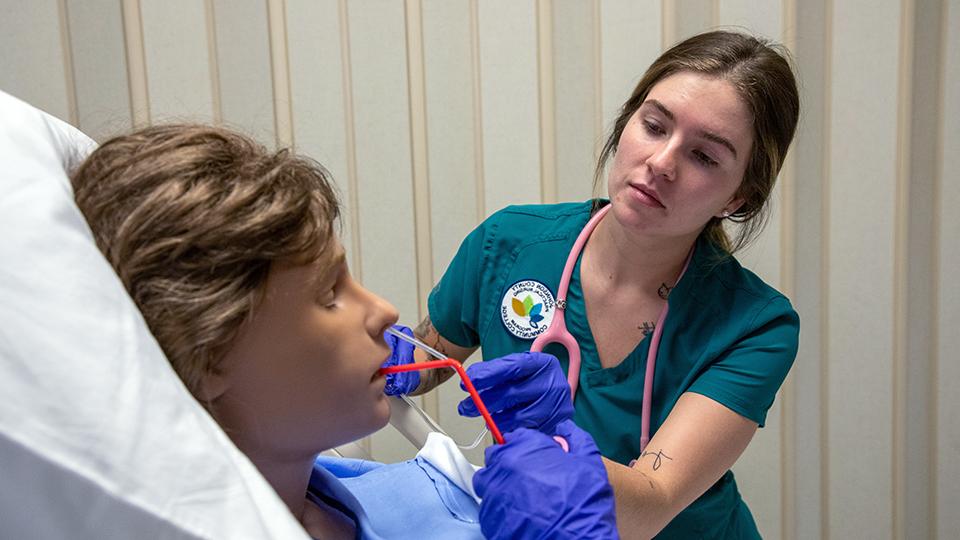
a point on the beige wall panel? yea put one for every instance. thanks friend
(99, 67)
(762, 19)
(919, 442)
(243, 67)
(317, 93)
(384, 170)
(178, 60)
(509, 101)
(452, 136)
(863, 172)
(32, 65)
(808, 207)
(451, 126)
(947, 454)
(759, 469)
(630, 40)
(575, 97)
(688, 17)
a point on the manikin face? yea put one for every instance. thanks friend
(302, 376)
(681, 157)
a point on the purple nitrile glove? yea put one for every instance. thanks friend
(521, 390)
(401, 353)
(532, 489)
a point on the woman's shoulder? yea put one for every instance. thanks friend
(530, 223)
(542, 215)
(724, 281)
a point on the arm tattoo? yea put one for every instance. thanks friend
(424, 329)
(657, 457)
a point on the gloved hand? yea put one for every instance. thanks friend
(401, 352)
(521, 390)
(531, 488)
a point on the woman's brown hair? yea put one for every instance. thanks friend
(191, 217)
(761, 75)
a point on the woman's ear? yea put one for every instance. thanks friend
(731, 207)
(212, 385)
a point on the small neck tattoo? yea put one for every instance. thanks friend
(664, 290)
(647, 328)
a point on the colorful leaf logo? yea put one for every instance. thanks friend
(528, 308)
(519, 308)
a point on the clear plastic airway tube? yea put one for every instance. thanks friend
(443, 361)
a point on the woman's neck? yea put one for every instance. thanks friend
(630, 260)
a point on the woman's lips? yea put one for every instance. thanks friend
(646, 197)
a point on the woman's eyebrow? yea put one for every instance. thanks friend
(709, 135)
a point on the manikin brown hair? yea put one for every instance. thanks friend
(191, 217)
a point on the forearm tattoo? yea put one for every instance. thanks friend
(658, 457)
(426, 332)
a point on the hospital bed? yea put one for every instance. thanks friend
(98, 436)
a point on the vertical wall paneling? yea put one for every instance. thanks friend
(68, 68)
(212, 34)
(758, 469)
(811, 52)
(918, 260)
(378, 61)
(788, 243)
(318, 77)
(575, 98)
(630, 40)
(947, 371)
(99, 67)
(33, 31)
(903, 193)
(509, 92)
(177, 60)
(684, 18)
(450, 126)
(136, 59)
(454, 161)
(861, 279)
(419, 151)
(280, 73)
(241, 66)
(545, 84)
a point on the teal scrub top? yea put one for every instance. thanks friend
(728, 336)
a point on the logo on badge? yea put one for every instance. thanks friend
(527, 308)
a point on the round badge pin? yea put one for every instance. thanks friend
(527, 308)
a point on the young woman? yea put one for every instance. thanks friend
(696, 146)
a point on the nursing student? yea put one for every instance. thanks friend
(656, 303)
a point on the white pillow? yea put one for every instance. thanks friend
(98, 436)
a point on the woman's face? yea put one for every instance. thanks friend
(302, 375)
(681, 157)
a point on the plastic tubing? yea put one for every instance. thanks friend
(451, 363)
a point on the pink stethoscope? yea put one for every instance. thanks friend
(557, 331)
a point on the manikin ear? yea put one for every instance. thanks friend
(212, 385)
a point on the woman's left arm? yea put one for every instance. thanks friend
(699, 441)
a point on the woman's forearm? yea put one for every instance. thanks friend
(643, 505)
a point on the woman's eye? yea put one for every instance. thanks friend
(705, 159)
(653, 128)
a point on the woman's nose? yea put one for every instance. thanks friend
(662, 162)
